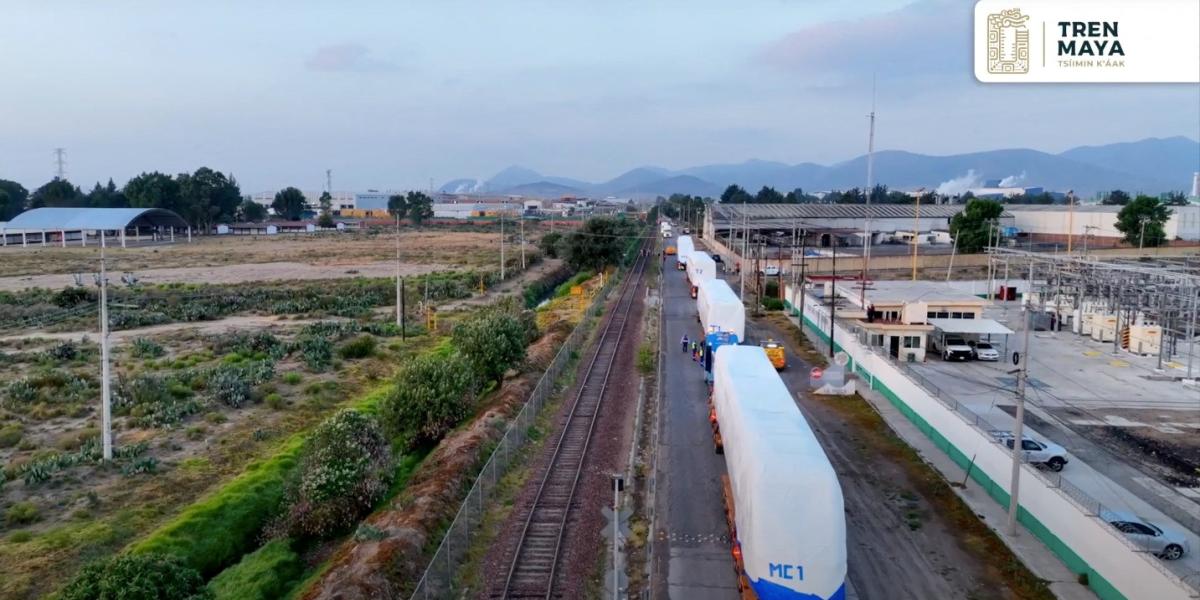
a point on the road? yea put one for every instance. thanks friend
(692, 551)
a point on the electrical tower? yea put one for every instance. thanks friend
(60, 163)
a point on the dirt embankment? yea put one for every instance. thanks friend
(364, 569)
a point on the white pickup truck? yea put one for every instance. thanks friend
(1050, 455)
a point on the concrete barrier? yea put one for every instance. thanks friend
(1067, 526)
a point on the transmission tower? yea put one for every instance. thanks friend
(329, 180)
(60, 162)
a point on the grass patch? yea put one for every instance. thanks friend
(266, 573)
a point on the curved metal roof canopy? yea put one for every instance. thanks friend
(79, 219)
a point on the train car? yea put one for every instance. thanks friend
(784, 501)
(683, 249)
(721, 310)
(700, 268)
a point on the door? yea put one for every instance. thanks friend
(895, 346)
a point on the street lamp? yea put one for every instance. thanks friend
(1142, 238)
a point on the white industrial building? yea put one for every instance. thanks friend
(1054, 222)
(342, 200)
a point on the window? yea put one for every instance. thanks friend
(931, 315)
(956, 315)
(912, 341)
(877, 339)
(968, 315)
(1030, 445)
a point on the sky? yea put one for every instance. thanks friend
(390, 95)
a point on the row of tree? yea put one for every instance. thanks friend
(1142, 222)
(599, 243)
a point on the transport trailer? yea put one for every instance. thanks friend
(683, 251)
(700, 268)
(784, 502)
(712, 341)
(720, 309)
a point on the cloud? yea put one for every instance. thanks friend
(346, 58)
(929, 39)
(959, 185)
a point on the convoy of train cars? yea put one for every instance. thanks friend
(700, 268)
(683, 247)
(782, 498)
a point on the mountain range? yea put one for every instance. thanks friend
(1152, 165)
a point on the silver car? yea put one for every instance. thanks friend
(985, 351)
(1164, 543)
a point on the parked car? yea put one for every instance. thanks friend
(955, 348)
(1051, 456)
(985, 351)
(770, 270)
(1164, 543)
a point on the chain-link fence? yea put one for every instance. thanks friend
(440, 577)
(1089, 505)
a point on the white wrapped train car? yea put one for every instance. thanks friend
(787, 503)
(683, 249)
(721, 310)
(700, 268)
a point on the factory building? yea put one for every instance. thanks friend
(1055, 223)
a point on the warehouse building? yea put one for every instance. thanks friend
(83, 226)
(1055, 223)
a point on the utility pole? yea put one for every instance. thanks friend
(60, 163)
(1070, 218)
(1019, 426)
(400, 292)
(866, 265)
(522, 243)
(832, 293)
(502, 244)
(803, 274)
(1142, 237)
(916, 237)
(105, 369)
(742, 261)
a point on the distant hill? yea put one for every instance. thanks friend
(1152, 165)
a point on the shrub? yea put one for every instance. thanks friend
(550, 243)
(10, 435)
(432, 394)
(292, 378)
(73, 296)
(491, 343)
(565, 287)
(645, 359)
(362, 346)
(19, 393)
(217, 530)
(137, 577)
(233, 384)
(772, 303)
(264, 574)
(20, 537)
(275, 401)
(22, 513)
(316, 352)
(65, 351)
(146, 348)
(345, 467)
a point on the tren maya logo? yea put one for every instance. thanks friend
(1007, 42)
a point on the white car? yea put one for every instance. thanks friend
(1052, 456)
(1164, 543)
(955, 348)
(985, 351)
(770, 270)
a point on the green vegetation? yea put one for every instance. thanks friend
(974, 226)
(601, 242)
(551, 244)
(344, 468)
(431, 395)
(264, 574)
(772, 303)
(22, 513)
(578, 279)
(491, 342)
(219, 529)
(362, 346)
(145, 348)
(645, 358)
(292, 378)
(137, 577)
(1141, 222)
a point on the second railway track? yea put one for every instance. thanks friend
(534, 569)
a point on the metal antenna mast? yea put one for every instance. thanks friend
(329, 180)
(60, 163)
(866, 265)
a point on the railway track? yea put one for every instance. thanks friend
(533, 572)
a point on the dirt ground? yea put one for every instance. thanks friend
(908, 534)
(346, 250)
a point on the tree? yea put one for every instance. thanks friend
(1175, 199)
(970, 228)
(107, 196)
(420, 207)
(397, 206)
(13, 197)
(56, 192)
(431, 396)
(1142, 221)
(137, 577)
(599, 243)
(345, 467)
(550, 244)
(734, 194)
(207, 196)
(251, 211)
(325, 220)
(768, 195)
(491, 342)
(289, 203)
(326, 201)
(1116, 198)
(153, 190)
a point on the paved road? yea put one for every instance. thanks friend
(693, 560)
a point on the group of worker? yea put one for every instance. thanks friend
(697, 349)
